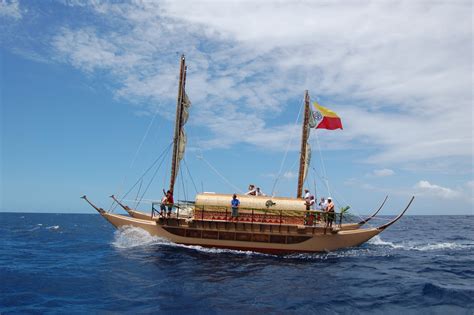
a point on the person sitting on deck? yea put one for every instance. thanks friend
(235, 206)
(252, 191)
(258, 192)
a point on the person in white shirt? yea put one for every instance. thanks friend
(323, 204)
(258, 192)
(312, 202)
(252, 191)
(306, 194)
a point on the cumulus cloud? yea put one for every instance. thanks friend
(10, 9)
(426, 188)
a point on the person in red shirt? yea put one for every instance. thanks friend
(167, 201)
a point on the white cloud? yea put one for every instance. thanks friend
(10, 9)
(426, 188)
(383, 172)
(398, 73)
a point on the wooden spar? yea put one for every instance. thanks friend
(178, 124)
(304, 139)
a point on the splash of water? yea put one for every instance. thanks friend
(130, 237)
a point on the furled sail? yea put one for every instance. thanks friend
(307, 160)
(182, 137)
(186, 106)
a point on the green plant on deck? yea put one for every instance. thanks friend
(343, 212)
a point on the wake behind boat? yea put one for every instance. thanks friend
(267, 224)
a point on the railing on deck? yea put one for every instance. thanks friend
(303, 217)
(221, 213)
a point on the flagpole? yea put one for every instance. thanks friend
(304, 140)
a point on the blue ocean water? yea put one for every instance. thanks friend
(78, 263)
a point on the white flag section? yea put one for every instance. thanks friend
(313, 120)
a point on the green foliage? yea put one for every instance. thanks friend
(345, 209)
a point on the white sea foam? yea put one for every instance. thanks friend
(130, 237)
(440, 246)
(53, 227)
(221, 250)
(377, 240)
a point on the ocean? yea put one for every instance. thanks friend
(78, 263)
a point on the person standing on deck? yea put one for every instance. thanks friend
(235, 203)
(330, 211)
(169, 201)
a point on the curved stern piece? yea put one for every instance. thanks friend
(374, 214)
(386, 225)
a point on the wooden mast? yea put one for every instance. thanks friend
(304, 140)
(178, 124)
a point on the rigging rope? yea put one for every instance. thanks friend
(189, 173)
(286, 152)
(201, 157)
(151, 180)
(149, 168)
(182, 182)
(337, 194)
(324, 179)
(132, 163)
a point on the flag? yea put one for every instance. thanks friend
(325, 118)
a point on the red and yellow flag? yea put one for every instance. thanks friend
(325, 118)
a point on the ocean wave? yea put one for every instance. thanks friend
(445, 294)
(377, 240)
(53, 227)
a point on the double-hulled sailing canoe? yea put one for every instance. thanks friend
(277, 225)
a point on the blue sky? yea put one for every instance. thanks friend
(88, 93)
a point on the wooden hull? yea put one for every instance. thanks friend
(266, 238)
